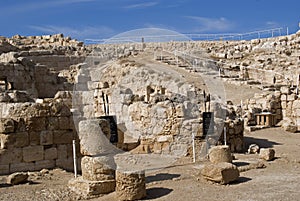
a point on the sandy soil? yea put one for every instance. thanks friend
(280, 180)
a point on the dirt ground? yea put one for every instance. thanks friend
(280, 180)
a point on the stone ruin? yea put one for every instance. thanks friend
(55, 90)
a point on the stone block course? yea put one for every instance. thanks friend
(33, 153)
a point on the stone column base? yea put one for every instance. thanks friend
(89, 189)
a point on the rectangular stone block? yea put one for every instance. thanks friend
(44, 164)
(64, 123)
(37, 124)
(46, 137)
(62, 152)
(34, 138)
(14, 155)
(283, 97)
(296, 104)
(89, 189)
(4, 169)
(21, 167)
(66, 164)
(283, 104)
(51, 153)
(63, 137)
(21, 139)
(52, 123)
(291, 97)
(33, 153)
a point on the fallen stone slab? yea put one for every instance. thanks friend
(267, 154)
(218, 154)
(17, 178)
(91, 189)
(222, 173)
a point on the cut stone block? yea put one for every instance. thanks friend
(33, 153)
(267, 154)
(46, 138)
(222, 173)
(90, 189)
(130, 185)
(219, 154)
(98, 168)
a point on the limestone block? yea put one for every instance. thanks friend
(297, 112)
(283, 97)
(14, 155)
(51, 153)
(289, 126)
(92, 139)
(37, 124)
(17, 178)
(4, 169)
(267, 154)
(90, 189)
(63, 137)
(7, 125)
(34, 138)
(291, 97)
(19, 167)
(219, 154)
(296, 104)
(46, 138)
(62, 151)
(64, 123)
(223, 173)
(44, 164)
(98, 168)
(130, 185)
(164, 138)
(285, 90)
(66, 164)
(52, 123)
(33, 153)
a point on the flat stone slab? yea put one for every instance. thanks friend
(90, 189)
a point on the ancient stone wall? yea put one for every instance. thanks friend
(34, 136)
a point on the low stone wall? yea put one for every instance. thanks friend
(34, 136)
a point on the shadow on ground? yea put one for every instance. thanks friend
(241, 180)
(153, 193)
(161, 177)
(262, 143)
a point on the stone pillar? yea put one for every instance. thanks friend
(98, 165)
(130, 185)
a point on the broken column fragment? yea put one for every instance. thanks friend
(98, 165)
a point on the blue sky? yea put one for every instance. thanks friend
(98, 19)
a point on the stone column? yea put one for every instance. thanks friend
(98, 165)
(130, 185)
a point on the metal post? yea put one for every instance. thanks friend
(225, 141)
(75, 159)
(194, 151)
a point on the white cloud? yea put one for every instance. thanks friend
(79, 33)
(272, 24)
(141, 5)
(205, 24)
